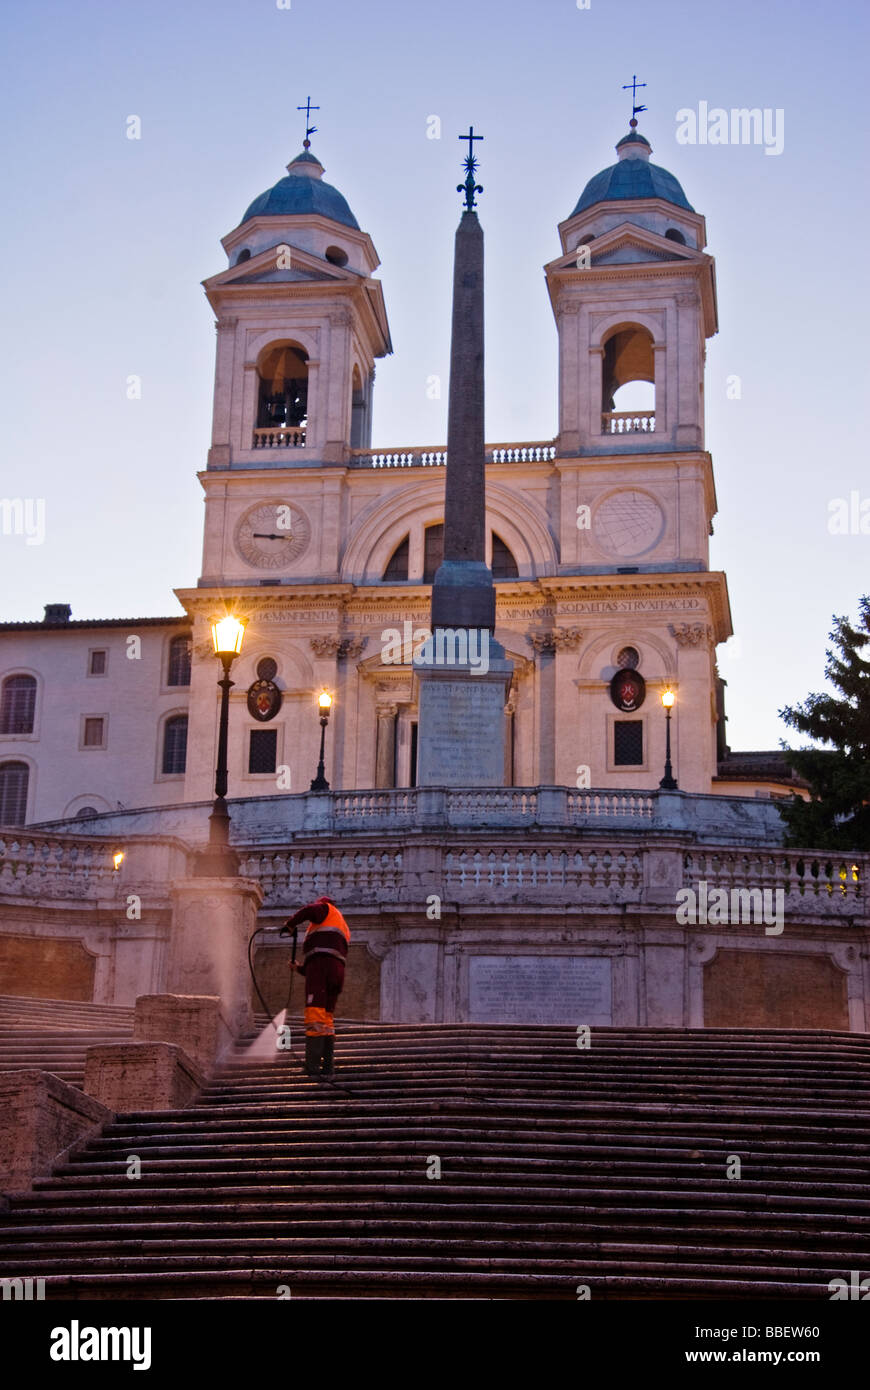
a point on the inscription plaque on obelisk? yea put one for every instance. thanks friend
(462, 672)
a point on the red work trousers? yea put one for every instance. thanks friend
(324, 977)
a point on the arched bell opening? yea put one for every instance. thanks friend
(282, 403)
(628, 395)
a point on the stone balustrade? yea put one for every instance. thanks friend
(37, 865)
(258, 820)
(507, 873)
(628, 422)
(53, 867)
(280, 437)
(436, 457)
(832, 881)
(500, 844)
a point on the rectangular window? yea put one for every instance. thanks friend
(180, 654)
(18, 705)
(175, 745)
(94, 732)
(263, 750)
(97, 662)
(628, 743)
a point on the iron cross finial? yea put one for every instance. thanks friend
(635, 109)
(309, 129)
(469, 188)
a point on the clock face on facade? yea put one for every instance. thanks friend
(272, 535)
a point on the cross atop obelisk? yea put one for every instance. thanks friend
(469, 188)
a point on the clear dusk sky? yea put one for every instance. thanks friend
(106, 241)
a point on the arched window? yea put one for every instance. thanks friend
(674, 234)
(335, 255)
(504, 566)
(85, 812)
(628, 382)
(397, 569)
(180, 649)
(282, 408)
(433, 552)
(18, 705)
(175, 745)
(14, 779)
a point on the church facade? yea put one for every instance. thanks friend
(598, 539)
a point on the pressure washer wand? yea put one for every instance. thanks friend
(292, 971)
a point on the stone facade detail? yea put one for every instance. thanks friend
(691, 634)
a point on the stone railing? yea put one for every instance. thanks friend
(514, 847)
(705, 819)
(542, 870)
(54, 867)
(70, 868)
(296, 876)
(628, 422)
(395, 806)
(591, 806)
(810, 876)
(537, 452)
(402, 875)
(280, 437)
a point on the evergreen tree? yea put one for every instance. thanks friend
(838, 816)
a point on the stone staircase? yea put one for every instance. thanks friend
(560, 1167)
(55, 1034)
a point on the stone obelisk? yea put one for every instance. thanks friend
(462, 672)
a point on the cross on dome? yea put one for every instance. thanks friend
(309, 129)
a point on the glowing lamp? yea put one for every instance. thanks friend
(227, 634)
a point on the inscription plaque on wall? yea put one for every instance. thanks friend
(461, 731)
(540, 989)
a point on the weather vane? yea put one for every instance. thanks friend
(309, 129)
(635, 109)
(469, 188)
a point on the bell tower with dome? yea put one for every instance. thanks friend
(300, 321)
(634, 298)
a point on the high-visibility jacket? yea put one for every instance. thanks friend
(328, 933)
(331, 937)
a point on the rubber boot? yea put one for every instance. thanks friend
(328, 1067)
(313, 1055)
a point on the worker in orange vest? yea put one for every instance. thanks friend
(324, 953)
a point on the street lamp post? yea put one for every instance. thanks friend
(669, 781)
(218, 859)
(324, 702)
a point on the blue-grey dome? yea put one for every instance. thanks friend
(632, 177)
(303, 191)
